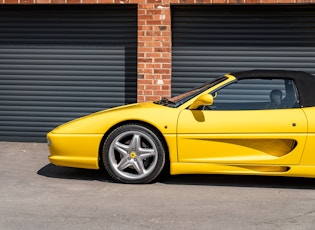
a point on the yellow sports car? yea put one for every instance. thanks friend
(259, 122)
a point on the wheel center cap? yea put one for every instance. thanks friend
(133, 155)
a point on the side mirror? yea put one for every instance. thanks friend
(205, 99)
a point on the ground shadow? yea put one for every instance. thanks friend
(203, 180)
(53, 171)
(243, 181)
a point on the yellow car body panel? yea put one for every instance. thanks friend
(66, 141)
(308, 157)
(254, 137)
(98, 123)
(75, 150)
(264, 170)
(275, 142)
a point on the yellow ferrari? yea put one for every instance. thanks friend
(258, 122)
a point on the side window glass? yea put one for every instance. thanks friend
(256, 94)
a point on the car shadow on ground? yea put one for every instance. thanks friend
(243, 181)
(53, 171)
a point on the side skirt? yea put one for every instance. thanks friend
(267, 170)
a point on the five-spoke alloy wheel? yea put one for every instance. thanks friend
(133, 154)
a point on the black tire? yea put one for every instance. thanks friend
(133, 154)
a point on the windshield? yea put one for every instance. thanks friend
(182, 98)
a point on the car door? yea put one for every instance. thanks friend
(242, 128)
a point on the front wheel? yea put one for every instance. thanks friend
(133, 154)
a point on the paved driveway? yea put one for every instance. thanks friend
(37, 195)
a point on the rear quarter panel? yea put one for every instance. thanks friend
(308, 157)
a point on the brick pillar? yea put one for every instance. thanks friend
(154, 50)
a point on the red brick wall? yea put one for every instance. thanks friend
(154, 50)
(154, 37)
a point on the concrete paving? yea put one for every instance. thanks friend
(37, 195)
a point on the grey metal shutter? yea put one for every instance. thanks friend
(209, 41)
(58, 63)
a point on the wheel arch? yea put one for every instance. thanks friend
(136, 122)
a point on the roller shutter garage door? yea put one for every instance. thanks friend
(58, 63)
(209, 41)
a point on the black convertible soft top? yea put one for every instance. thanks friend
(305, 82)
